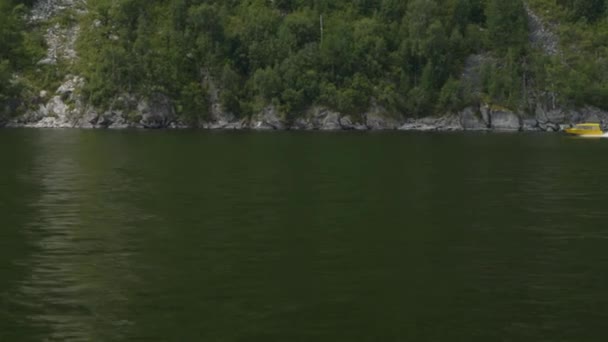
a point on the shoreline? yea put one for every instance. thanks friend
(407, 127)
(158, 112)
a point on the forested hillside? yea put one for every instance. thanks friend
(18, 51)
(406, 55)
(578, 74)
(411, 57)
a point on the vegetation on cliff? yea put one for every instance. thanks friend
(578, 74)
(408, 56)
(411, 57)
(20, 49)
(12, 53)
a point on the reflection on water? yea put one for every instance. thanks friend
(157, 236)
(79, 270)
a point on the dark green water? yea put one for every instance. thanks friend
(197, 236)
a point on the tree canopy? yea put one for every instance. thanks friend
(406, 55)
(342, 54)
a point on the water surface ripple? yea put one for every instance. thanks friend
(171, 236)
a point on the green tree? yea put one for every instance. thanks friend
(507, 25)
(589, 9)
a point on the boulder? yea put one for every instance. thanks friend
(485, 112)
(179, 125)
(323, 118)
(301, 124)
(53, 114)
(71, 85)
(377, 118)
(238, 124)
(471, 120)
(347, 123)
(268, 119)
(331, 122)
(88, 119)
(555, 115)
(32, 116)
(447, 122)
(548, 126)
(110, 118)
(156, 111)
(232, 125)
(416, 125)
(503, 120)
(220, 119)
(530, 124)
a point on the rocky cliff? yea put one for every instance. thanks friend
(66, 107)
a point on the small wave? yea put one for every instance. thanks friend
(605, 135)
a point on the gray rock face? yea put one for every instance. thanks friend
(331, 122)
(302, 124)
(472, 120)
(556, 119)
(530, 124)
(545, 115)
(122, 114)
(548, 126)
(61, 43)
(110, 118)
(65, 108)
(268, 119)
(69, 87)
(235, 124)
(540, 36)
(448, 123)
(347, 123)
(592, 114)
(485, 112)
(238, 124)
(4, 113)
(444, 123)
(220, 119)
(45, 9)
(117, 120)
(324, 119)
(505, 121)
(178, 125)
(416, 125)
(377, 118)
(60, 38)
(156, 112)
(471, 74)
(31, 116)
(53, 114)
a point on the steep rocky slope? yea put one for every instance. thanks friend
(66, 107)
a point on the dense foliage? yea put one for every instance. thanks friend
(578, 75)
(410, 56)
(11, 51)
(19, 51)
(406, 55)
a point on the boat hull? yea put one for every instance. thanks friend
(584, 132)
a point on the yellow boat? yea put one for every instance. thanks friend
(585, 129)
